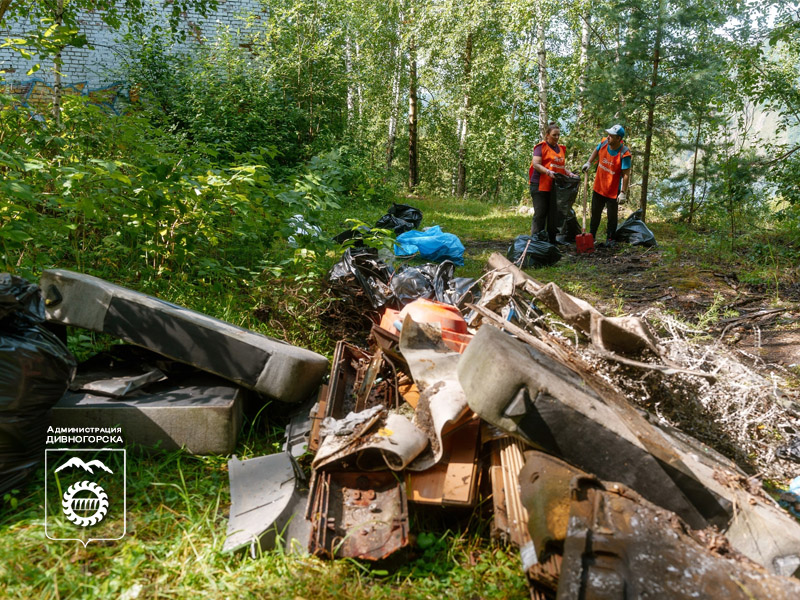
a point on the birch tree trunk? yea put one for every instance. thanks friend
(395, 110)
(359, 85)
(621, 107)
(413, 172)
(694, 168)
(542, 64)
(461, 178)
(348, 69)
(583, 61)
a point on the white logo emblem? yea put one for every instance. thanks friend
(86, 501)
(93, 506)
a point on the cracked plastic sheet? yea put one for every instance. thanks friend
(372, 438)
(434, 369)
(266, 505)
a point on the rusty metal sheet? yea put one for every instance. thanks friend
(349, 386)
(544, 490)
(357, 515)
(619, 545)
(317, 413)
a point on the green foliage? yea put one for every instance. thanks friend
(215, 96)
(114, 195)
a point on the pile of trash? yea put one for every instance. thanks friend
(502, 391)
(449, 406)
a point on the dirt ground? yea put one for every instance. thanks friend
(767, 325)
(632, 279)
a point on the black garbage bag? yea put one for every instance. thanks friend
(635, 232)
(360, 271)
(569, 229)
(410, 283)
(463, 291)
(407, 213)
(35, 370)
(538, 252)
(394, 224)
(434, 282)
(356, 234)
(400, 218)
(566, 189)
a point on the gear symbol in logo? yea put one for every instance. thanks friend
(93, 506)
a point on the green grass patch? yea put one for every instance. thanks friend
(177, 516)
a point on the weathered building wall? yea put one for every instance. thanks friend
(98, 67)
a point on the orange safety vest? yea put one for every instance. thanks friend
(609, 170)
(555, 161)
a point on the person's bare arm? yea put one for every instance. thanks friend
(626, 179)
(539, 167)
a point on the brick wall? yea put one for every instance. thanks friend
(96, 67)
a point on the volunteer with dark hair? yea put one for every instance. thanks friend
(548, 159)
(611, 182)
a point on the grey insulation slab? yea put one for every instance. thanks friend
(203, 415)
(268, 366)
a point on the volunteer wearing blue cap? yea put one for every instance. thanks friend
(611, 182)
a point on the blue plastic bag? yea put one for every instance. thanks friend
(432, 244)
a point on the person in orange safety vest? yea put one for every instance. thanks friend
(549, 158)
(611, 181)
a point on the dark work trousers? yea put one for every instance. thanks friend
(598, 204)
(545, 213)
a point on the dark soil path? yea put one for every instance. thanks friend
(760, 321)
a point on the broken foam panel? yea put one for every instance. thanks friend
(268, 366)
(532, 396)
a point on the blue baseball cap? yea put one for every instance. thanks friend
(616, 130)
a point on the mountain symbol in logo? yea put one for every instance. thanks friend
(77, 462)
